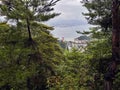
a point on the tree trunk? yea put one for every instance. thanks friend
(28, 28)
(115, 30)
(109, 76)
(28, 23)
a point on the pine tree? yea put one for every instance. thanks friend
(105, 13)
(99, 13)
(29, 55)
(28, 10)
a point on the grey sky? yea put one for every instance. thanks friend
(70, 20)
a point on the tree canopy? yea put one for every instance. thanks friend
(32, 59)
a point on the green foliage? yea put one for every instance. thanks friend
(18, 61)
(38, 63)
(27, 62)
(74, 71)
(99, 13)
(36, 10)
(63, 44)
(85, 70)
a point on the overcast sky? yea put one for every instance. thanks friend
(70, 20)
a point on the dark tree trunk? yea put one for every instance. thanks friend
(28, 28)
(111, 70)
(115, 30)
(28, 23)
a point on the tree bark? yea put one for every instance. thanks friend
(115, 30)
(28, 28)
(110, 75)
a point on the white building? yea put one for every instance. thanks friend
(79, 42)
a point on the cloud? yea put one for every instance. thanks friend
(2, 18)
(71, 13)
(69, 33)
(70, 20)
(67, 22)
